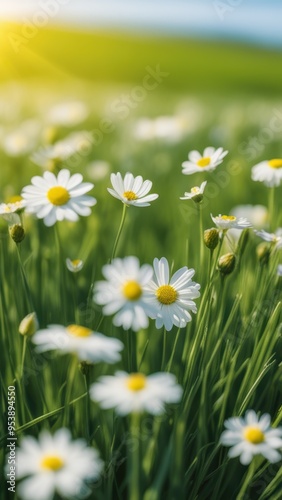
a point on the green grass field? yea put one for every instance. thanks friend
(228, 358)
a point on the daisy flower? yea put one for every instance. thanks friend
(10, 211)
(74, 266)
(275, 238)
(252, 436)
(86, 344)
(196, 193)
(68, 114)
(52, 156)
(269, 172)
(171, 299)
(210, 159)
(279, 270)
(132, 190)
(123, 292)
(135, 392)
(225, 222)
(56, 464)
(54, 198)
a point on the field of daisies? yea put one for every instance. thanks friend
(140, 289)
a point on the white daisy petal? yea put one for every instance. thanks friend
(131, 190)
(252, 436)
(57, 198)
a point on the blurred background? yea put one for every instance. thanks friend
(148, 80)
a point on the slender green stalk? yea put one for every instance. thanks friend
(87, 406)
(71, 377)
(164, 348)
(25, 282)
(247, 481)
(134, 477)
(23, 356)
(271, 207)
(202, 245)
(119, 231)
(173, 351)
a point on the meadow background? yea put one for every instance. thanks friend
(218, 93)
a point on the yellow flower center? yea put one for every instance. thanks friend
(52, 462)
(195, 190)
(166, 294)
(132, 290)
(58, 195)
(79, 331)
(76, 262)
(129, 195)
(204, 162)
(14, 199)
(275, 163)
(228, 217)
(136, 382)
(254, 435)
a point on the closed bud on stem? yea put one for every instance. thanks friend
(226, 263)
(17, 232)
(29, 325)
(263, 253)
(84, 367)
(211, 238)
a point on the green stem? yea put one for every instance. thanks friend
(271, 204)
(119, 231)
(247, 481)
(134, 477)
(173, 351)
(164, 348)
(202, 249)
(71, 376)
(87, 406)
(23, 356)
(25, 282)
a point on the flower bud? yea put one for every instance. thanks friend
(226, 263)
(84, 367)
(29, 325)
(17, 232)
(263, 253)
(211, 238)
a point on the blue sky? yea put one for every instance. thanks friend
(257, 21)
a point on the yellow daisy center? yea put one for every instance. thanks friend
(76, 262)
(130, 195)
(275, 163)
(52, 462)
(166, 294)
(228, 217)
(132, 290)
(79, 331)
(136, 382)
(254, 435)
(58, 195)
(14, 199)
(204, 162)
(195, 190)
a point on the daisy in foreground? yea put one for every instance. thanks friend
(87, 345)
(269, 172)
(196, 193)
(251, 436)
(210, 159)
(135, 392)
(54, 198)
(56, 464)
(225, 222)
(123, 292)
(132, 190)
(172, 298)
